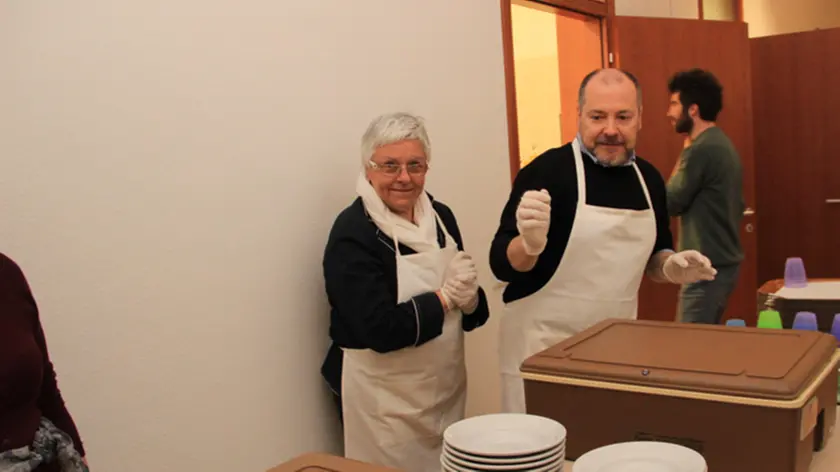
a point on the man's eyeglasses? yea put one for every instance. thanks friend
(394, 169)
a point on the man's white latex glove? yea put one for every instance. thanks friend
(532, 220)
(460, 283)
(687, 267)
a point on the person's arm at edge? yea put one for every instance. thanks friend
(50, 400)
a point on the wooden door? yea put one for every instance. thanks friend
(796, 101)
(579, 52)
(654, 49)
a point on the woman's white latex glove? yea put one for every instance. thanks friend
(688, 267)
(460, 284)
(463, 293)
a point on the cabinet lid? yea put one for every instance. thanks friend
(733, 361)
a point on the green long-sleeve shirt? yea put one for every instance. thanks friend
(706, 193)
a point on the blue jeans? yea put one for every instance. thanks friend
(704, 302)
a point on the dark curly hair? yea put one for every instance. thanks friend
(698, 87)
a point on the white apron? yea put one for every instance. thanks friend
(397, 405)
(598, 278)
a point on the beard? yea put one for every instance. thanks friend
(684, 124)
(614, 159)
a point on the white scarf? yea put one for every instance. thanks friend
(420, 237)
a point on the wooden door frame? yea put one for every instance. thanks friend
(604, 10)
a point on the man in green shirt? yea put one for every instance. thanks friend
(705, 192)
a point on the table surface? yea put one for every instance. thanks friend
(827, 460)
(773, 286)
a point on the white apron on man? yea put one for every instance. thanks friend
(397, 405)
(598, 278)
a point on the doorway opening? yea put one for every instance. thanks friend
(550, 45)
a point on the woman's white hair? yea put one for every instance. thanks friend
(392, 128)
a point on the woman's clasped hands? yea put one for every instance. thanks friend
(460, 283)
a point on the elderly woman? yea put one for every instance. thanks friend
(402, 292)
(37, 433)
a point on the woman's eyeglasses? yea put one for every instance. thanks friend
(394, 169)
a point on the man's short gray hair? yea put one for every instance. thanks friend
(611, 71)
(392, 128)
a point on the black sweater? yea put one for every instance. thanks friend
(360, 272)
(554, 170)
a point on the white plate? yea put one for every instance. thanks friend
(505, 435)
(483, 460)
(641, 456)
(555, 466)
(531, 465)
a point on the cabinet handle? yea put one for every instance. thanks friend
(749, 212)
(832, 200)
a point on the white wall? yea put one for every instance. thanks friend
(169, 170)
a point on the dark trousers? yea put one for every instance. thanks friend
(704, 302)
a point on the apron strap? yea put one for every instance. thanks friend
(644, 185)
(581, 176)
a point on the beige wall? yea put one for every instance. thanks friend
(723, 10)
(769, 17)
(169, 171)
(537, 81)
(765, 17)
(657, 8)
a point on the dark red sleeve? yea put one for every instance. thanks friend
(50, 401)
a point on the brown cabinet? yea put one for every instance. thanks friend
(796, 101)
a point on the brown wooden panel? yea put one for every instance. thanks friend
(796, 101)
(510, 88)
(831, 162)
(602, 10)
(654, 49)
(579, 52)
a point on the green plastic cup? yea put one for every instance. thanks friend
(770, 319)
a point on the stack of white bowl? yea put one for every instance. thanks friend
(641, 456)
(504, 442)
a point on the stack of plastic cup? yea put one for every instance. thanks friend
(770, 319)
(735, 322)
(795, 276)
(835, 328)
(805, 320)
